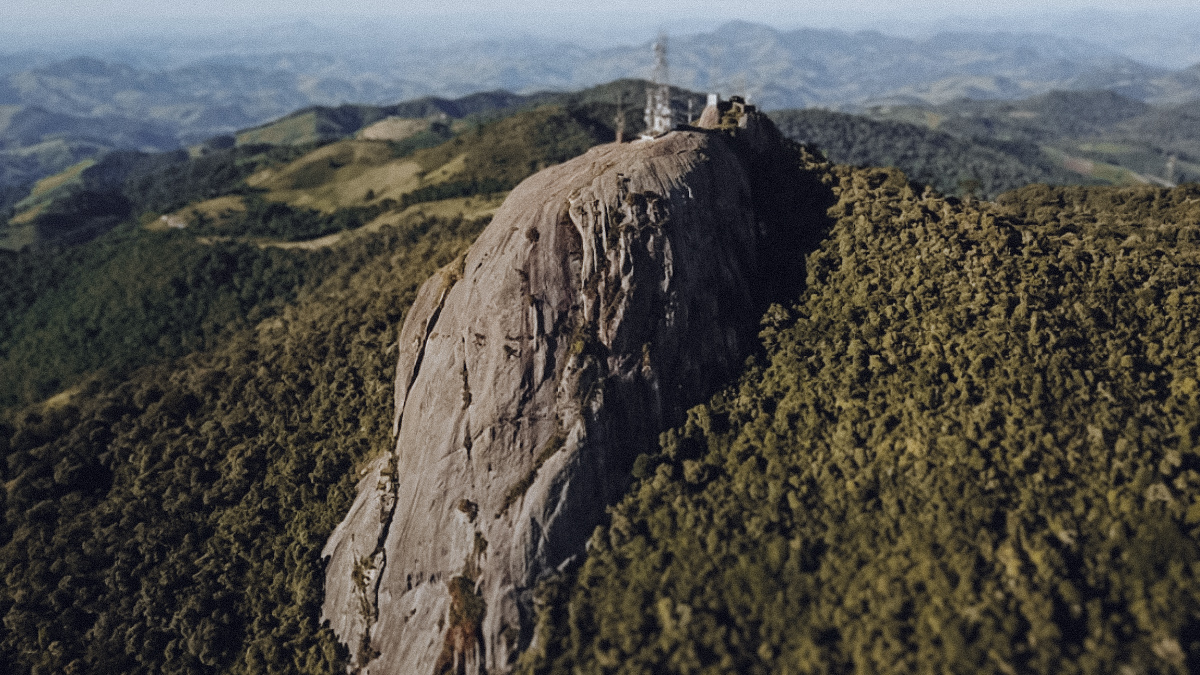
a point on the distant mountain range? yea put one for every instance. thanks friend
(54, 113)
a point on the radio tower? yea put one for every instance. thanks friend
(659, 116)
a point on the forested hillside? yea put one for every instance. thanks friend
(287, 179)
(140, 295)
(970, 445)
(1095, 136)
(142, 501)
(171, 522)
(951, 164)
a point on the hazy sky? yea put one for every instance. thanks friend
(792, 11)
(1139, 28)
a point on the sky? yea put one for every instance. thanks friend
(768, 11)
(94, 9)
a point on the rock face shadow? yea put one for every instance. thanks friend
(608, 295)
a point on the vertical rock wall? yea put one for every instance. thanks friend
(608, 295)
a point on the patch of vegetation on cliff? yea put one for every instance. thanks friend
(972, 445)
(172, 522)
(463, 635)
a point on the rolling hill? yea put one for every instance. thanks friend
(361, 160)
(1098, 135)
(135, 98)
(949, 163)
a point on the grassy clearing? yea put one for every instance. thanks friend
(394, 129)
(293, 130)
(211, 211)
(339, 175)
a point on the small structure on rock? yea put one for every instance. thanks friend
(729, 114)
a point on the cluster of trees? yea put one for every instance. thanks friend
(140, 508)
(212, 174)
(508, 150)
(128, 184)
(952, 165)
(278, 220)
(499, 154)
(971, 445)
(1102, 126)
(172, 522)
(129, 298)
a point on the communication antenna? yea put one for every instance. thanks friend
(659, 118)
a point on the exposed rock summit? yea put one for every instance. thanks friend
(608, 295)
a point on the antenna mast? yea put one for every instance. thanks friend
(659, 117)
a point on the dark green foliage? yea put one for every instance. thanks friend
(926, 156)
(971, 446)
(278, 220)
(10, 194)
(455, 188)
(509, 150)
(336, 123)
(1099, 126)
(128, 299)
(81, 216)
(1049, 117)
(436, 134)
(173, 523)
(125, 184)
(215, 173)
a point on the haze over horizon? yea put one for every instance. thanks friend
(1163, 33)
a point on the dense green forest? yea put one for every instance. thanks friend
(131, 298)
(171, 522)
(1099, 136)
(971, 445)
(950, 164)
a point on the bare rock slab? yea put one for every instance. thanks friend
(608, 295)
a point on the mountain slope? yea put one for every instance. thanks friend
(949, 163)
(608, 295)
(968, 443)
(969, 446)
(170, 521)
(1098, 135)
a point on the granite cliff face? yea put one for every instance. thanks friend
(608, 295)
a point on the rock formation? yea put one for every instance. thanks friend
(608, 295)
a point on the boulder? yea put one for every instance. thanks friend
(608, 295)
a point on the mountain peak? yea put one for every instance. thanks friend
(609, 294)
